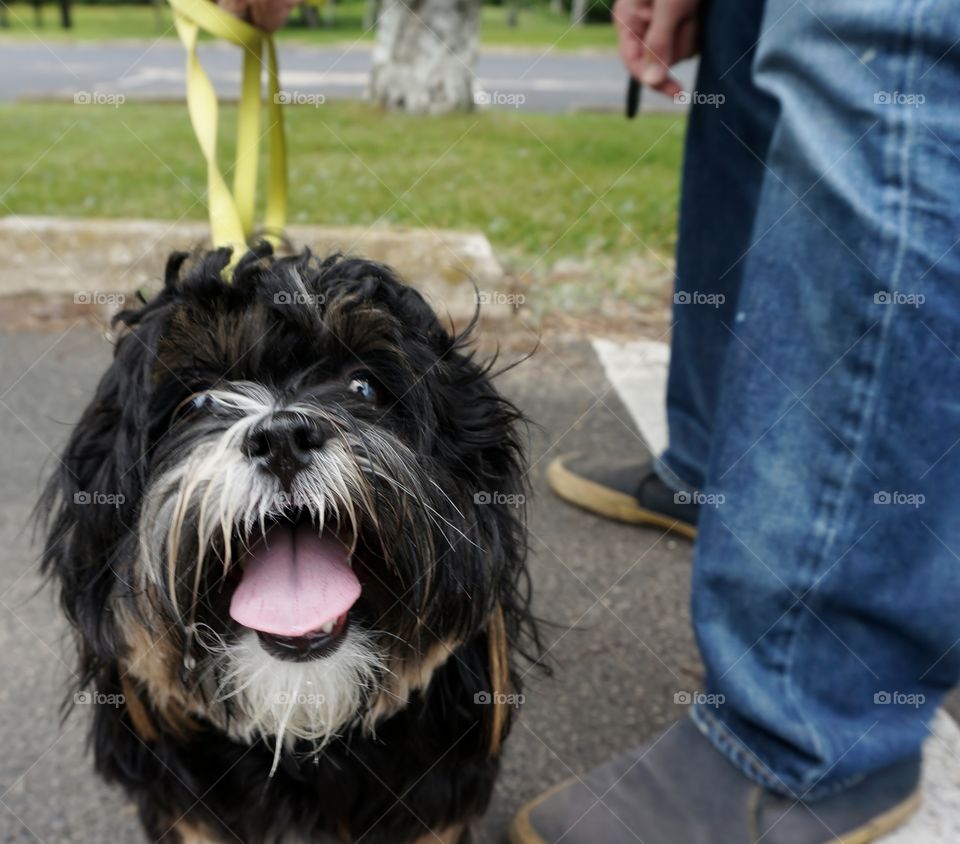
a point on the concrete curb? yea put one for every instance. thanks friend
(90, 258)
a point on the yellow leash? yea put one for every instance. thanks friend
(232, 214)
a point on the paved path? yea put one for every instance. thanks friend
(622, 646)
(547, 81)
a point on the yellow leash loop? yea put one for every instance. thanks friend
(232, 214)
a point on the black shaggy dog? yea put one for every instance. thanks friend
(288, 533)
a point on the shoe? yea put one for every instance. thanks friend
(679, 789)
(628, 492)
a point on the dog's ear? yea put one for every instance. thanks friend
(90, 503)
(485, 451)
(487, 428)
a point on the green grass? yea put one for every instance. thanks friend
(538, 28)
(530, 182)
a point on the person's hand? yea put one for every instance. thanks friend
(268, 15)
(654, 35)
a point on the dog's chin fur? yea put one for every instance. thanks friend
(411, 701)
(284, 701)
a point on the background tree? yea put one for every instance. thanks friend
(371, 11)
(424, 55)
(66, 16)
(309, 16)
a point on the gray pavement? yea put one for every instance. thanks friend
(548, 81)
(618, 596)
(620, 642)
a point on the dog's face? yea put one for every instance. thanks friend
(291, 500)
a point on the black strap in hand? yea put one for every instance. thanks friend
(633, 97)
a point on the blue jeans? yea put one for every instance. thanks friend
(814, 391)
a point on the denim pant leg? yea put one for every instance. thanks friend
(727, 136)
(826, 593)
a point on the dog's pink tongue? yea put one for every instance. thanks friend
(294, 582)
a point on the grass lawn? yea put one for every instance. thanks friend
(537, 28)
(530, 182)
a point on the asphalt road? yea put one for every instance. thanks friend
(621, 646)
(542, 81)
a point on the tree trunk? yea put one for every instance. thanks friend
(330, 13)
(159, 10)
(513, 12)
(308, 13)
(556, 6)
(424, 55)
(578, 11)
(66, 19)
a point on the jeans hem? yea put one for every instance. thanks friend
(736, 751)
(740, 755)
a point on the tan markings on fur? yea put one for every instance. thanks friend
(408, 677)
(193, 833)
(499, 677)
(152, 662)
(139, 717)
(450, 835)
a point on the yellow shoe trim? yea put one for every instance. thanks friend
(608, 502)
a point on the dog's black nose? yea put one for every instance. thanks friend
(284, 444)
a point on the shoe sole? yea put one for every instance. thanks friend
(882, 823)
(523, 832)
(609, 503)
(521, 829)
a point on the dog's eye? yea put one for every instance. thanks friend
(197, 403)
(202, 402)
(362, 385)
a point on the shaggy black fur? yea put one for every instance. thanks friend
(430, 765)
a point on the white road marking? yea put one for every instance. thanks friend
(638, 372)
(150, 75)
